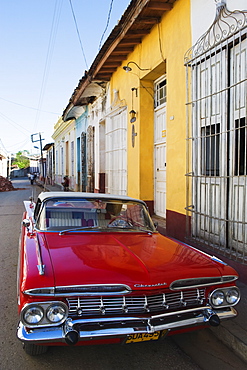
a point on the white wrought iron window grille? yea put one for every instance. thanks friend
(216, 202)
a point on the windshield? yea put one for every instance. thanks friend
(94, 214)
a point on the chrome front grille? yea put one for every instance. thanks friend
(99, 306)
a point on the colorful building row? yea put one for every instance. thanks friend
(161, 116)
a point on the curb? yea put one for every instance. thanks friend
(49, 187)
(233, 337)
(233, 333)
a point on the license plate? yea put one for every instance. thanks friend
(142, 337)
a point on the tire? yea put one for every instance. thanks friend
(33, 349)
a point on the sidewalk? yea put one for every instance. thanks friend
(55, 187)
(233, 333)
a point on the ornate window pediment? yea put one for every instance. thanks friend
(226, 24)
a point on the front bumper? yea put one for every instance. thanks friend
(120, 327)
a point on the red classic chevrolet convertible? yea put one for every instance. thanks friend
(93, 269)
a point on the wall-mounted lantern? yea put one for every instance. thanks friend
(132, 116)
(128, 68)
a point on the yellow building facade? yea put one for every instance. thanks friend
(164, 124)
(160, 54)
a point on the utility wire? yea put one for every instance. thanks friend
(19, 145)
(19, 128)
(160, 42)
(107, 24)
(14, 124)
(2, 147)
(77, 30)
(55, 22)
(25, 106)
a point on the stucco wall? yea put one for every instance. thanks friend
(162, 51)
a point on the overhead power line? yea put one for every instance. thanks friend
(26, 106)
(78, 33)
(107, 24)
(14, 124)
(55, 22)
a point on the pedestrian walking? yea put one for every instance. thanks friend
(31, 177)
(65, 183)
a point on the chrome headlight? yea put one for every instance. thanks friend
(56, 313)
(44, 314)
(217, 298)
(33, 315)
(224, 297)
(232, 296)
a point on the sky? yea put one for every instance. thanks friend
(46, 46)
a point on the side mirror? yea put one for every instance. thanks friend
(26, 222)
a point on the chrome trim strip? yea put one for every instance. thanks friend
(143, 318)
(40, 266)
(51, 291)
(200, 284)
(57, 334)
(216, 259)
(31, 292)
(41, 269)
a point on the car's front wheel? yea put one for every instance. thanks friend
(34, 350)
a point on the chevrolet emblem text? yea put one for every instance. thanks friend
(148, 285)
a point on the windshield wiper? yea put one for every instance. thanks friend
(142, 229)
(131, 228)
(150, 232)
(79, 229)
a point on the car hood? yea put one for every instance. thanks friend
(141, 261)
